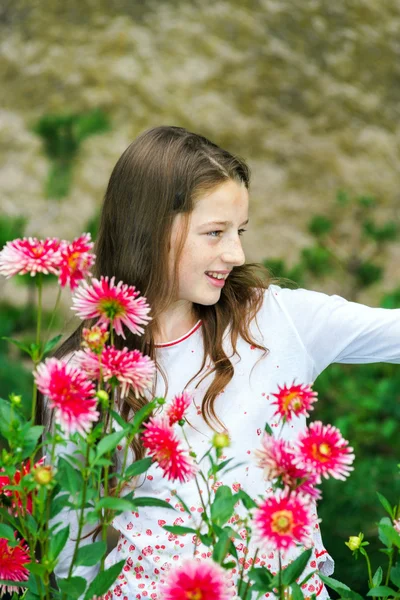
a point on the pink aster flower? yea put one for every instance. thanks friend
(95, 337)
(30, 255)
(321, 449)
(277, 458)
(199, 580)
(165, 449)
(294, 400)
(130, 368)
(179, 405)
(117, 304)
(12, 565)
(284, 520)
(76, 261)
(70, 393)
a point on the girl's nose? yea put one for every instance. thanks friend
(234, 254)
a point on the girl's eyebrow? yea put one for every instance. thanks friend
(224, 223)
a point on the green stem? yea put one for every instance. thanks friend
(39, 308)
(53, 314)
(248, 583)
(370, 582)
(281, 586)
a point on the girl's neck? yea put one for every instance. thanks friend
(173, 323)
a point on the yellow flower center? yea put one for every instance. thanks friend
(282, 522)
(194, 594)
(321, 452)
(292, 401)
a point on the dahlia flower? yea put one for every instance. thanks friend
(199, 580)
(277, 458)
(76, 261)
(128, 367)
(70, 393)
(165, 449)
(283, 520)
(16, 500)
(179, 405)
(12, 561)
(116, 304)
(294, 400)
(321, 449)
(95, 337)
(30, 255)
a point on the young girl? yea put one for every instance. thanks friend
(174, 212)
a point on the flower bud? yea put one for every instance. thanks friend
(221, 440)
(103, 396)
(354, 542)
(15, 400)
(43, 475)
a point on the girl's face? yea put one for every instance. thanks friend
(213, 245)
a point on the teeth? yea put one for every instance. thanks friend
(216, 275)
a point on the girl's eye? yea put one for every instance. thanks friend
(242, 231)
(214, 233)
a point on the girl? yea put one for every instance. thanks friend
(174, 212)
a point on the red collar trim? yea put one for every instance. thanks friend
(181, 339)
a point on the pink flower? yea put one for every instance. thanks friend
(30, 255)
(294, 400)
(95, 337)
(165, 449)
(117, 304)
(16, 499)
(199, 580)
(277, 458)
(76, 261)
(322, 450)
(70, 393)
(284, 520)
(128, 367)
(12, 565)
(179, 405)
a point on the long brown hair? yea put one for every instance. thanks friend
(161, 174)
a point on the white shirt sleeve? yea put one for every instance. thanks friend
(333, 330)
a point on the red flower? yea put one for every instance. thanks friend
(165, 449)
(12, 561)
(277, 458)
(176, 410)
(30, 255)
(294, 400)
(198, 580)
(323, 451)
(129, 367)
(283, 520)
(117, 304)
(76, 261)
(15, 496)
(70, 393)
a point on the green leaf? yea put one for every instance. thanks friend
(262, 579)
(223, 505)
(24, 347)
(221, 548)
(109, 442)
(297, 594)
(268, 429)
(147, 501)
(91, 554)
(377, 578)
(383, 590)
(138, 467)
(68, 477)
(223, 464)
(36, 569)
(58, 541)
(390, 533)
(31, 435)
(104, 580)
(296, 568)
(8, 533)
(16, 583)
(74, 586)
(58, 503)
(248, 502)
(51, 344)
(7, 415)
(118, 504)
(142, 415)
(178, 529)
(395, 575)
(385, 503)
(334, 584)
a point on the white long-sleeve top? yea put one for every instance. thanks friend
(304, 332)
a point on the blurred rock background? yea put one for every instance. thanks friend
(308, 92)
